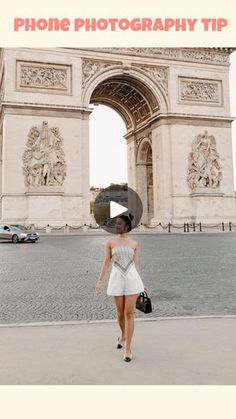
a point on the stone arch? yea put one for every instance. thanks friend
(139, 101)
(145, 178)
(144, 149)
(120, 88)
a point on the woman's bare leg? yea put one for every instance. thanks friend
(120, 306)
(130, 301)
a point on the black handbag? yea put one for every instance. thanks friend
(143, 303)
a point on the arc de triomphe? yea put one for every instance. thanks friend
(175, 104)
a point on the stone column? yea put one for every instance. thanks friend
(142, 189)
(131, 162)
(150, 193)
(85, 167)
(162, 174)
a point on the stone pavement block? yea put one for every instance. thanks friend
(54, 280)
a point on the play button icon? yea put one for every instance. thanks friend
(114, 201)
(116, 209)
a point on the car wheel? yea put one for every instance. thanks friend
(15, 238)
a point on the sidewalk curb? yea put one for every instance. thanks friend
(87, 322)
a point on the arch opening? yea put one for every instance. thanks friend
(137, 105)
(145, 178)
(107, 148)
(135, 102)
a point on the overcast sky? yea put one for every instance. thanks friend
(108, 155)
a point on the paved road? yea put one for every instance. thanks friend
(54, 279)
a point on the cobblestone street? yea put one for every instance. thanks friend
(54, 279)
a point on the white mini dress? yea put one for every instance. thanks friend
(124, 278)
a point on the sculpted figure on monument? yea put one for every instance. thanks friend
(44, 159)
(204, 169)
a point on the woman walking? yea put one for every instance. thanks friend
(125, 283)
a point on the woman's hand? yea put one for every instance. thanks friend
(98, 288)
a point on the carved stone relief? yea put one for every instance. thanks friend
(200, 90)
(43, 160)
(40, 76)
(158, 73)
(219, 56)
(206, 55)
(90, 67)
(166, 52)
(204, 168)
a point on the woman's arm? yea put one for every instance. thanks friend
(105, 266)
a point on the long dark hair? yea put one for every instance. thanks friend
(128, 220)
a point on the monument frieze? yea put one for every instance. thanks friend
(43, 77)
